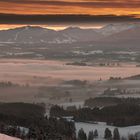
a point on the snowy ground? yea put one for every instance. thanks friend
(5, 137)
(124, 131)
(77, 104)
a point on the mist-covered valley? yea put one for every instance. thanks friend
(74, 77)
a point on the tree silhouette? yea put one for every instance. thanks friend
(82, 135)
(116, 134)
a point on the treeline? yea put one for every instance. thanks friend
(115, 78)
(21, 114)
(83, 136)
(4, 84)
(31, 117)
(135, 77)
(77, 63)
(47, 129)
(77, 82)
(108, 135)
(7, 84)
(118, 115)
(109, 101)
(13, 131)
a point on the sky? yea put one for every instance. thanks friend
(68, 12)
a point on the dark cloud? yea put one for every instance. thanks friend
(63, 19)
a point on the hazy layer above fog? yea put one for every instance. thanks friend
(26, 70)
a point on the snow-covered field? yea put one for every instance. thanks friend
(5, 137)
(124, 131)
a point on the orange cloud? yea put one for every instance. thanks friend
(92, 7)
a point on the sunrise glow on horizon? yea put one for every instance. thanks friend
(57, 28)
(60, 14)
(91, 7)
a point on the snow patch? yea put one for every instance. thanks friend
(6, 137)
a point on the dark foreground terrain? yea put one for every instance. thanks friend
(27, 121)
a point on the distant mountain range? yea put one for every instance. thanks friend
(124, 34)
(116, 28)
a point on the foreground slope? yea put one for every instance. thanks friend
(5, 137)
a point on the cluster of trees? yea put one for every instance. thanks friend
(135, 77)
(83, 136)
(21, 114)
(118, 115)
(110, 63)
(77, 82)
(13, 116)
(31, 116)
(108, 135)
(49, 129)
(115, 78)
(92, 135)
(109, 101)
(14, 131)
(52, 129)
(77, 63)
(7, 84)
